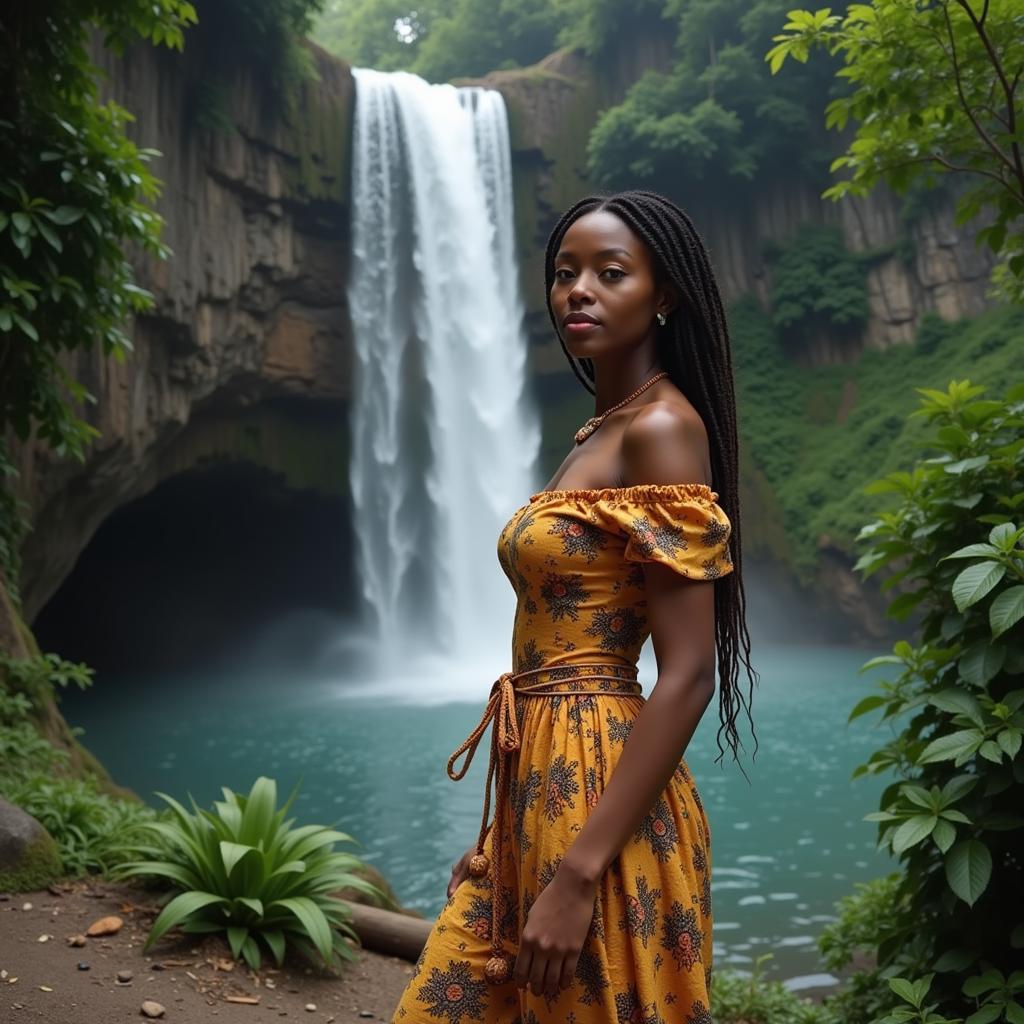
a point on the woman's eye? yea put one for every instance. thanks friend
(560, 272)
(615, 270)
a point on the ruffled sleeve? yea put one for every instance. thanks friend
(681, 526)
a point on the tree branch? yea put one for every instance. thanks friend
(1018, 163)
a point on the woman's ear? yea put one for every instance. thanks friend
(668, 298)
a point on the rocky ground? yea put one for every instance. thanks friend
(107, 978)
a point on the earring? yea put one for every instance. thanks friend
(661, 319)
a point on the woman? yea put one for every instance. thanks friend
(592, 900)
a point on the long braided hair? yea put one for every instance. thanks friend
(693, 347)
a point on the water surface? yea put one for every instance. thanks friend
(786, 845)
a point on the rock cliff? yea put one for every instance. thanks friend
(250, 324)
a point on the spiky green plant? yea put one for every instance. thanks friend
(245, 871)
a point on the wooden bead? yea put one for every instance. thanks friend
(479, 865)
(497, 970)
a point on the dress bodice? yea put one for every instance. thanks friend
(574, 559)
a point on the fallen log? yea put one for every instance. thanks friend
(388, 932)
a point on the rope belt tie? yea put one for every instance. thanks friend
(505, 741)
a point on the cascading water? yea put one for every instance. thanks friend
(444, 439)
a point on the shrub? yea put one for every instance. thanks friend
(88, 825)
(245, 871)
(736, 999)
(953, 815)
(83, 820)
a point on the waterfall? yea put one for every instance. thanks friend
(444, 438)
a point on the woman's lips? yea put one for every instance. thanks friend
(581, 327)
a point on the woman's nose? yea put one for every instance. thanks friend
(580, 290)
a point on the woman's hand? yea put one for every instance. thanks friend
(555, 931)
(460, 870)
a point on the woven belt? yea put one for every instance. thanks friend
(505, 739)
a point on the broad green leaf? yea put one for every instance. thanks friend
(274, 938)
(64, 215)
(251, 953)
(912, 831)
(991, 752)
(312, 920)
(966, 465)
(917, 795)
(1009, 740)
(867, 704)
(178, 909)
(973, 551)
(975, 582)
(986, 1015)
(1006, 610)
(232, 853)
(981, 662)
(968, 869)
(957, 787)
(944, 834)
(958, 702)
(1001, 534)
(904, 989)
(237, 934)
(952, 745)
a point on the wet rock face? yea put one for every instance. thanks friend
(29, 858)
(250, 310)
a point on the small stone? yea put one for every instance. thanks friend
(82, 965)
(311, 1007)
(152, 1009)
(77, 940)
(43, 938)
(26, 906)
(105, 926)
(45, 988)
(124, 976)
(365, 1013)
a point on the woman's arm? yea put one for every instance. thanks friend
(660, 445)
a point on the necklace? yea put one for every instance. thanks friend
(595, 421)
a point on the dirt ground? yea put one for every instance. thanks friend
(192, 976)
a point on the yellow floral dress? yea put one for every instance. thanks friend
(574, 558)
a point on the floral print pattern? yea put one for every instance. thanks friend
(575, 560)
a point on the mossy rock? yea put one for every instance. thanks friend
(29, 857)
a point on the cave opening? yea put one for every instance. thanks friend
(210, 561)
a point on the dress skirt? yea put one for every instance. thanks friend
(647, 958)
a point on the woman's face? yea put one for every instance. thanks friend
(604, 280)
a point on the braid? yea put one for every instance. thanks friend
(694, 348)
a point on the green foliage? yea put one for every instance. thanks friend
(89, 826)
(821, 433)
(914, 993)
(933, 93)
(33, 773)
(242, 36)
(736, 999)
(867, 919)
(714, 118)
(596, 26)
(441, 39)
(817, 285)
(74, 193)
(953, 815)
(247, 872)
